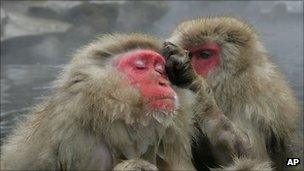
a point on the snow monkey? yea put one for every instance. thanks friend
(112, 108)
(226, 54)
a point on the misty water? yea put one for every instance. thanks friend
(37, 39)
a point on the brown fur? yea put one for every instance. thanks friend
(248, 87)
(94, 120)
(244, 164)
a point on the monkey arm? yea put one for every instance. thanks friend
(83, 151)
(175, 148)
(223, 135)
(221, 132)
(283, 135)
(227, 140)
(294, 147)
(289, 146)
(56, 147)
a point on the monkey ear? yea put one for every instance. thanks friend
(76, 78)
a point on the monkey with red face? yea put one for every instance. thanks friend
(225, 56)
(224, 137)
(112, 108)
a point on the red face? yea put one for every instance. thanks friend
(205, 58)
(145, 70)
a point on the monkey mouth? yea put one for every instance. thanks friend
(164, 98)
(166, 103)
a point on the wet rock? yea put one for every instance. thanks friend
(16, 24)
(96, 17)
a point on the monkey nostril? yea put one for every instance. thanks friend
(163, 83)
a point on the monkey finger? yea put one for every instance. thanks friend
(168, 50)
(170, 71)
(166, 53)
(168, 43)
(171, 49)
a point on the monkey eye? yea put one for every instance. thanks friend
(140, 64)
(205, 54)
(159, 68)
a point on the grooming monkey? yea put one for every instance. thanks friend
(112, 108)
(247, 87)
(227, 141)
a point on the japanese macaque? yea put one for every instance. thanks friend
(112, 108)
(225, 54)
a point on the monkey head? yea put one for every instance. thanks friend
(120, 77)
(219, 46)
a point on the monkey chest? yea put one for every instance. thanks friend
(138, 143)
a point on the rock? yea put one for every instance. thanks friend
(16, 24)
(140, 15)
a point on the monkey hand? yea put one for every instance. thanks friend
(226, 137)
(178, 66)
(221, 131)
(135, 165)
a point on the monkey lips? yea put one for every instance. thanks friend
(158, 101)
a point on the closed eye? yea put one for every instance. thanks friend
(159, 68)
(140, 64)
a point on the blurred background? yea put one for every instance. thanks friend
(38, 38)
